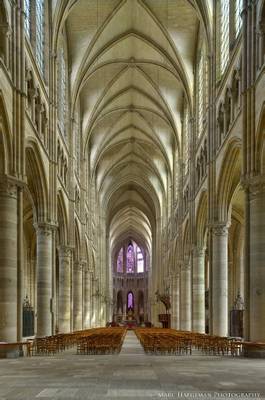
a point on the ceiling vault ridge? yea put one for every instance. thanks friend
(117, 39)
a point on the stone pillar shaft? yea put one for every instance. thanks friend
(185, 302)
(8, 262)
(65, 289)
(77, 296)
(198, 292)
(175, 302)
(88, 305)
(257, 257)
(220, 280)
(44, 279)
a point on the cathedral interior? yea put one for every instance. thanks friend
(132, 171)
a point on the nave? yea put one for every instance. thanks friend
(131, 374)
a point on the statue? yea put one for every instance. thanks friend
(165, 299)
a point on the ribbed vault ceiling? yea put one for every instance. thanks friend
(131, 67)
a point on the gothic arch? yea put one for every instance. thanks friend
(77, 242)
(229, 178)
(62, 219)
(201, 220)
(186, 240)
(36, 179)
(260, 143)
(5, 140)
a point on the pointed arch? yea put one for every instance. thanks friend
(62, 219)
(36, 178)
(77, 242)
(5, 140)
(201, 219)
(230, 175)
(260, 142)
(186, 239)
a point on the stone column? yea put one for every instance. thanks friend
(185, 293)
(44, 279)
(198, 290)
(65, 254)
(8, 262)
(257, 258)
(175, 302)
(88, 305)
(220, 280)
(77, 296)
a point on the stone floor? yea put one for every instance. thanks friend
(131, 375)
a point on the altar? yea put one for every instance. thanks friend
(130, 320)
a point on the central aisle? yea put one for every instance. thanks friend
(130, 375)
(131, 345)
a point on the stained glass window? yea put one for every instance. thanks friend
(224, 33)
(120, 261)
(140, 260)
(200, 96)
(130, 300)
(40, 32)
(130, 259)
(27, 17)
(238, 19)
(62, 111)
(186, 139)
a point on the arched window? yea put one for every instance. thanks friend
(120, 261)
(130, 301)
(202, 80)
(34, 28)
(130, 259)
(40, 33)
(62, 103)
(27, 17)
(224, 34)
(238, 19)
(186, 139)
(140, 260)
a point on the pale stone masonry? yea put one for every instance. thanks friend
(124, 121)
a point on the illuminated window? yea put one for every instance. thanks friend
(186, 139)
(40, 33)
(130, 259)
(62, 105)
(140, 260)
(200, 102)
(238, 19)
(27, 17)
(120, 261)
(224, 34)
(130, 302)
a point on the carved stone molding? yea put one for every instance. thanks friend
(9, 186)
(44, 229)
(186, 265)
(78, 266)
(199, 252)
(255, 186)
(65, 251)
(220, 228)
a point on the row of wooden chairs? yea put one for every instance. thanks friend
(96, 341)
(103, 341)
(170, 341)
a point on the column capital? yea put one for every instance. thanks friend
(254, 185)
(78, 266)
(198, 251)
(9, 186)
(44, 228)
(220, 228)
(186, 264)
(65, 251)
